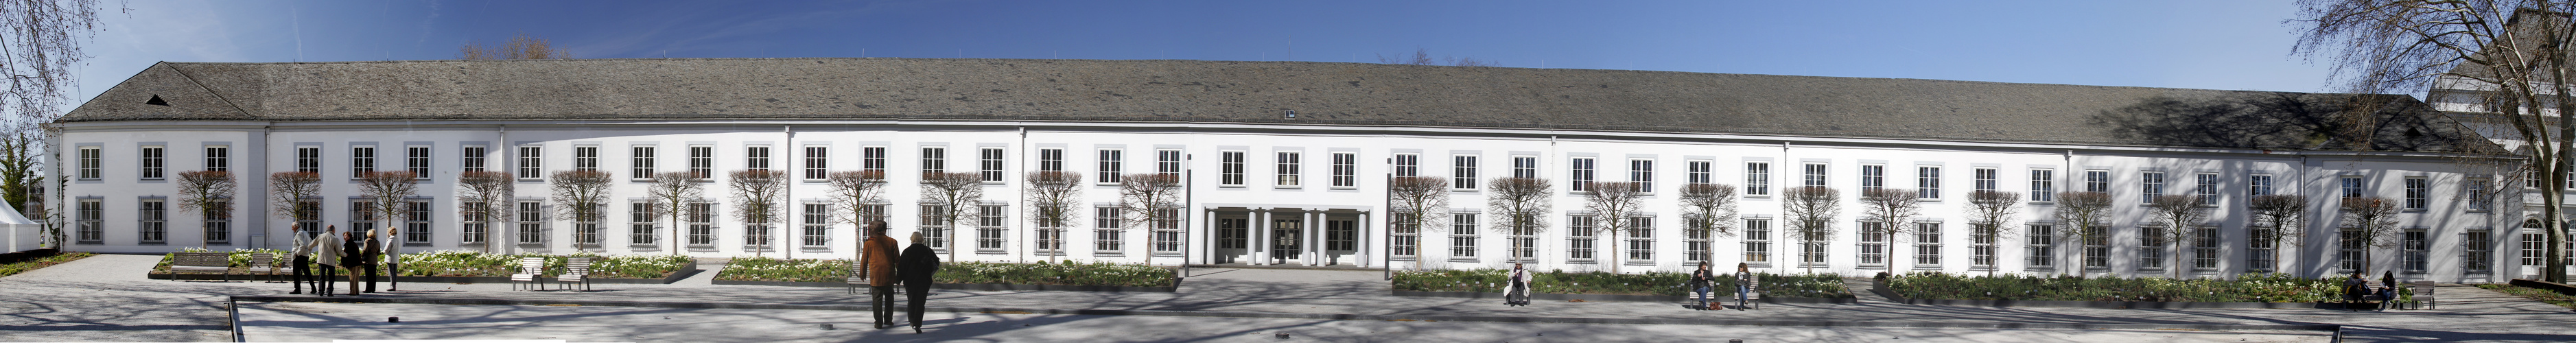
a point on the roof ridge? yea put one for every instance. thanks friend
(192, 80)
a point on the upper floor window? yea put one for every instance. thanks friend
(308, 159)
(2258, 185)
(2419, 193)
(1408, 165)
(2480, 198)
(1287, 168)
(585, 158)
(1112, 166)
(1579, 173)
(1642, 174)
(1987, 179)
(755, 157)
(702, 161)
(818, 162)
(1814, 175)
(219, 158)
(473, 158)
(1757, 178)
(1462, 172)
(2151, 185)
(153, 157)
(1525, 167)
(1927, 182)
(2351, 186)
(640, 163)
(934, 160)
(990, 164)
(89, 163)
(362, 160)
(872, 158)
(532, 162)
(1168, 162)
(2043, 185)
(1698, 172)
(416, 161)
(1346, 169)
(2097, 181)
(1872, 177)
(2206, 186)
(1230, 168)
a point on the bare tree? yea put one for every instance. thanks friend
(485, 197)
(853, 191)
(2278, 218)
(1990, 214)
(1611, 204)
(1052, 198)
(42, 50)
(957, 194)
(1150, 199)
(583, 196)
(2180, 214)
(1422, 57)
(521, 47)
(206, 191)
(2515, 51)
(1895, 210)
(1709, 207)
(2081, 216)
(1416, 199)
(757, 196)
(1812, 209)
(1524, 204)
(288, 195)
(671, 193)
(390, 189)
(2372, 221)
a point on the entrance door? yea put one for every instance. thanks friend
(1341, 239)
(1287, 239)
(1231, 231)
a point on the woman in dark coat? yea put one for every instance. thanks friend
(918, 265)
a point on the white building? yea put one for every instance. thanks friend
(1296, 154)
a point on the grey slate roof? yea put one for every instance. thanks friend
(1258, 92)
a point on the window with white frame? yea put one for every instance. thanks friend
(1168, 162)
(1641, 173)
(312, 212)
(1811, 249)
(818, 162)
(152, 224)
(2039, 247)
(153, 162)
(2477, 251)
(2263, 248)
(1404, 235)
(1757, 241)
(1343, 235)
(1814, 175)
(362, 160)
(2205, 185)
(2534, 246)
(1579, 174)
(1927, 245)
(2152, 247)
(1698, 172)
(991, 164)
(2204, 248)
(1525, 167)
(1986, 179)
(91, 213)
(702, 224)
(755, 157)
(872, 158)
(1230, 168)
(756, 233)
(218, 158)
(2349, 247)
(1052, 160)
(2043, 185)
(1108, 229)
(2258, 185)
(471, 227)
(1462, 172)
(1346, 170)
(1167, 232)
(218, 222)
(1927, 182)
(532, 222)
(474, 157)
(1872, 245)
(817, 220)
(2097, 250)
(1579, 237)
(2097, 181)
(416, 161)
(585, 226)
(1981, 246)
(1408, 165)
(362, 214)
(1287, 168)
(702, 162)
(585, 158)
(1462, 236)
(2481, 198)
(2351, 186)
(1872, 178)
(934, 160)
(1695, 239)
(308, 159)
(416, 222)
(1757, 178)
(989, 231)
(2414, 250)
(89, 163)
(641, 224)
(639, 161)
(1112, 166)
(532, 162)
(1641, 240)
(2419, 193)
(2151, 185)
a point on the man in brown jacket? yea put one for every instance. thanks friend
(877, 256)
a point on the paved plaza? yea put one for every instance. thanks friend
(107, 298)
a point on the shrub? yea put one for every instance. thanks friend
(2273, 287)
(1650, 283)
(1064, 273)
(470, 263)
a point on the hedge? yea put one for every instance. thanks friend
(1649, 283)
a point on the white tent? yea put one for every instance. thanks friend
(21, 233)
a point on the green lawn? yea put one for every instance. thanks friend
(2543, 295)
(48, 261)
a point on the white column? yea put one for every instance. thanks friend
(1257, 238)
(1307, 255)
(1367, 246)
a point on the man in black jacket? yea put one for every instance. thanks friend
(917, 265)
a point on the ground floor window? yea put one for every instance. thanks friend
(2348, 252)
(416, 216)
(702, 223)
(1579, 236)
(1873, 245)
(641, 223)
(2415, 250)
(1695, 242)
(90, 213)
(989, 231)
(2097, 250)
(2152, 247)
(1757, 241)
(934, 225)
(219, 223)
(2204, 248)
(2265, 245)
(1107, 224)
(2041, 245)
(817, 220)
(1167, 232)
(1342, 235)
(2477, 251)
(1641, 240)
(1927, 245)
(1811, 248)
(1462, 235)
(1405, 235)
(532, 222)
(585, 227)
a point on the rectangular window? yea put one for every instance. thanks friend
(755, 157)
(702, 224)
(1168, 162)
(1579, 237)
(1346, 170)
(872, 158)
(1167, 232)
(2419, 193)
(1641, 240)
(1811, 249)
(91, 213)
(152, 167)
(989, 220)
(416, 161)
(1113, 166)
(89, 163)
(312, 210)
(642, 224)
(702, 162)
(1462, 236)
(1757, 178)
(1695, 240)
(2039, 247)
(1927, 245)
(2043, 185)
(2206, 186)
(470, 228)
(2152, 247)
(1408, 165)
(363, 215)
(2150, 186)
(1579, 172)
(639, 163)
(1287, 169)
(2477, 253)
(1230, 168)
(1405, 235)
(1872, 245)
(1757, 241)
(934, 160)
(1462, 172)
(2349, 247)
(2264, 249)
(1699, 172)
(1981, 246)
(2481, 198)
(2352, 186)
(1987, 179)
(474, 157)
(152, 218)
(532, 162)
(2258, 185)
(1525, 167)
(1814, 175)
(818, 225)
(990, 164)
(416, 222)
(585, 158)
(2532, 243)
(1343, 235)
(1872, 177)
(2414, 250)
(1108, 226)
(2097, 250)
(818, 162)
(1642, 174)
(2204, 248)
(532, 222)
(2097, 181)
(362, 160)
(1927, 182)
(218, 158)
(218, 223)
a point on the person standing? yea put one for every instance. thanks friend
(302, 254)
(1702, 280)
(327, 251)
(393, 260)
(877, 258)
(373, 251)
(352, 257)
(919, 264)
(1517, 291)
(1745, 283)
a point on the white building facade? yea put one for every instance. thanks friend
(1262, 185)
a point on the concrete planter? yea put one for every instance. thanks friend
(1176, 285)
(1620, 297)
(675, 277)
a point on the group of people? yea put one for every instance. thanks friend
(2358, 287)
(1516, 292)
(913, 268)
(357, 253)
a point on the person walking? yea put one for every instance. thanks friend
(302, 254)
(1517, 291)
(352, 257)
(1745, 283)
(326, 250)
(393, 260)
(374, 251)
(919, 264)
(877, 257)
(1702, 280)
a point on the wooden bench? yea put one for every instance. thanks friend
(201, 262)
(531, 271)
(576, 270)
(267, 263)
(2423, 293)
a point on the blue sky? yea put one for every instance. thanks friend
(2186, 43)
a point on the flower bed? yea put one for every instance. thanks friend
(1060, 274)
(1650, 283)
(2259, 288)
(468, 263)
(41, 262)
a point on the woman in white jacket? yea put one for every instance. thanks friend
(1517, 292)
